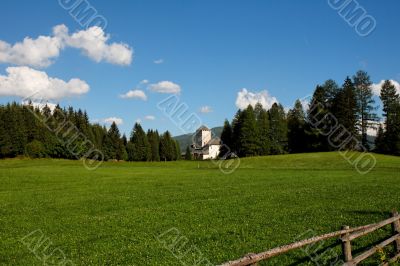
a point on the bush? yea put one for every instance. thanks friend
(35, 149)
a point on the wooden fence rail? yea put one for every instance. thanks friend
(346, 235)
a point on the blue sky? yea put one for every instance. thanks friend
(210, 49)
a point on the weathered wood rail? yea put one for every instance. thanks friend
(346, 235)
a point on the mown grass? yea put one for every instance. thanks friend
(112, 216)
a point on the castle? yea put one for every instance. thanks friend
(205, 146)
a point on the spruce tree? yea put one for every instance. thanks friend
(296, 129)
(167, 150)
(248, 136)
(226, 139)
(154, 141)
(263, 140)
(391, 102)
(317, 122)
(278, 129)
(113, 143)
(142, 149)
(346, 115)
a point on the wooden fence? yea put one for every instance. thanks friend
(346, 235)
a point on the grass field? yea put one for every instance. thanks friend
(112, 216)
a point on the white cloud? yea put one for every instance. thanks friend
(42, 51)
(28, 82)
(135, 94)
(376, 88)
(149, 117)
(244, 98)
(110, 120)
(165, 87)
(158, 61)
(93, 43)
(205, 109)
(138, 121)
(34, 52)
(145, 81)
(373, 131)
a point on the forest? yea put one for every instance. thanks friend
(337, 118)
(26, 130)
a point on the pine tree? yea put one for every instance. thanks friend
(296, 129)
(365, 105)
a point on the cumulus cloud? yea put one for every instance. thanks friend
(110, 120)
(158, 61)
(205, 109)
(149, 117)
(165, 87)
(376, 88)
(34, 52)
(41, 52)
(245, 97)
(134, 94)
(27, 82)
(93, 43)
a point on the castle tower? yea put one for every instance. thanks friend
(202, 137)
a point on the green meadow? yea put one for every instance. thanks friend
(117, 214)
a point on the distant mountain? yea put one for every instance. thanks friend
(186, 140)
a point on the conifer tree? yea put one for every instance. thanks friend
(296, 129)
(317, 122)
(365, 104)
(113, 143)
(167, 150)
(188, 154)
(346, 115)
(154, 141)
(248, 133)
(278, 129)
(391, 106)
(263, 130)
(226, 139)
(142, 149)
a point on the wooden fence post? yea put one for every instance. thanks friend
(346, 247)
(396, 230)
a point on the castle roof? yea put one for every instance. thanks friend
(203, 128)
